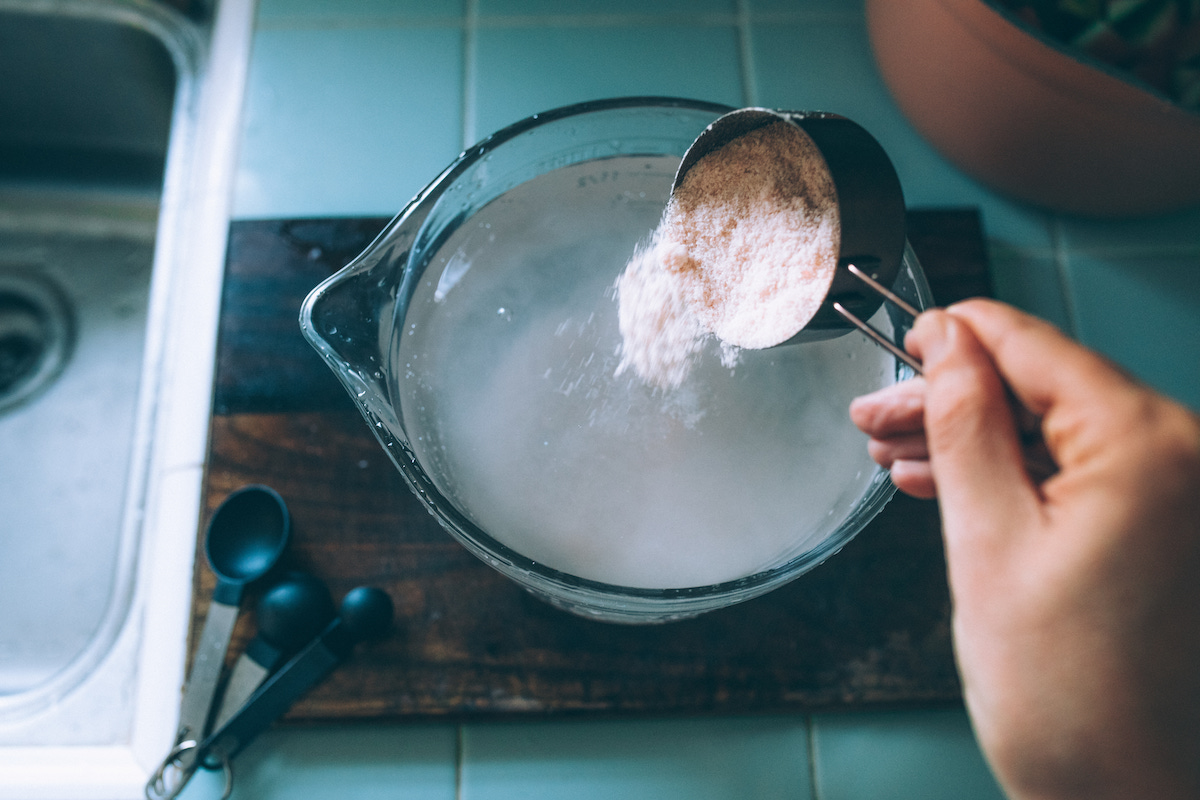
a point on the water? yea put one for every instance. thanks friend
(504, 377)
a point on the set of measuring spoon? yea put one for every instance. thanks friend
(300, 639)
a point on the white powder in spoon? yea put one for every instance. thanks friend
(746, 250)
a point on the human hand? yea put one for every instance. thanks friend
(1077, 596)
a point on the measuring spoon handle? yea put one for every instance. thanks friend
(246, 676)
(206, 671)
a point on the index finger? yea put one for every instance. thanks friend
(1041, 365)
(974, 449)
(1054, 377)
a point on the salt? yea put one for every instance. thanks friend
(659, 334)
(746, 251)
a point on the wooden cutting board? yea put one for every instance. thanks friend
(868, 627)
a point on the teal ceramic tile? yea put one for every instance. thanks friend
(375, 762)
(604, 7)
(828, 65)
(729, 759)
(347, 121)
(931, 755)
(523, 71)
(1179, 229)
(203, 785)
(1032, 282)
(294, 12)
(1144, 313)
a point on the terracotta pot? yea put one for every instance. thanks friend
(1028, 118)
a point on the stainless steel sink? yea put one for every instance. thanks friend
(118, 120)
(73, 308)
(85, 119)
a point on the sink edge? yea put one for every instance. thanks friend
(141, 667)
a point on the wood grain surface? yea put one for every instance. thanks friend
(868, 627)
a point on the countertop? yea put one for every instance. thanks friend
(352, 106)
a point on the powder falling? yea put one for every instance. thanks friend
(746, 251)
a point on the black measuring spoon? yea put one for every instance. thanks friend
(288, 614)
(366, 613)
(243, 541)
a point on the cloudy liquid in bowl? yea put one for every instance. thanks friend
(503, 373)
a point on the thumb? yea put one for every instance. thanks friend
(974, 449)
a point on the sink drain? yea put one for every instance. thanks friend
(36, 334)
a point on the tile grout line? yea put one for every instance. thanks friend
(746, 54)
(459, 746)
(495, 21)
(469, 43)
(713, 19)
(1061, 268)
(709, 20)
(813, 784)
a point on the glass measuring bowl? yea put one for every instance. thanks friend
(477, 336)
